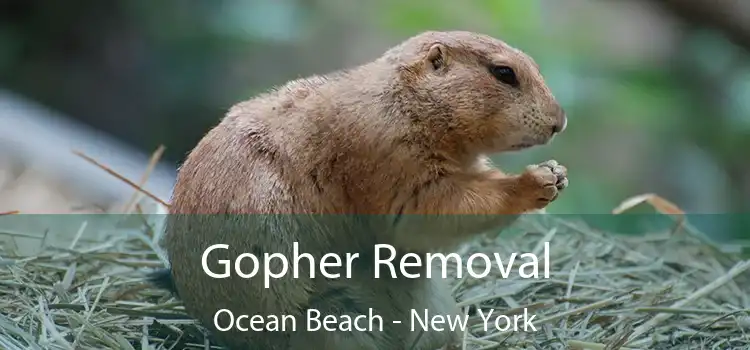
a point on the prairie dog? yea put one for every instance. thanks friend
(406, 134)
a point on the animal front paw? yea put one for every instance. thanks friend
(541, 184)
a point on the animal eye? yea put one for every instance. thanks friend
(505, 74)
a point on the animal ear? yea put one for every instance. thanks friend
(436, 57)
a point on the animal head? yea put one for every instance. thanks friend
(477, 90)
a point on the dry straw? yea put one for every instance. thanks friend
(664, 290)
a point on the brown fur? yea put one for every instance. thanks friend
(405, 134)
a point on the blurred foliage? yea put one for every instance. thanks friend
(164, 71)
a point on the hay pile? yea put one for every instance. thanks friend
(660, 291)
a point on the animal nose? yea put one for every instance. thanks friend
(562, 123)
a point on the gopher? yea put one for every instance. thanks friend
(394, 151)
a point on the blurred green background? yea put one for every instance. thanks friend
(657, 92)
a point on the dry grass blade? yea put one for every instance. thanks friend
(122, 178)
(662, 205)
(153, 161)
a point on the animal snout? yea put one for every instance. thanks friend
(561, 122)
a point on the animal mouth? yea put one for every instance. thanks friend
(520, 146)
(531, 142)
